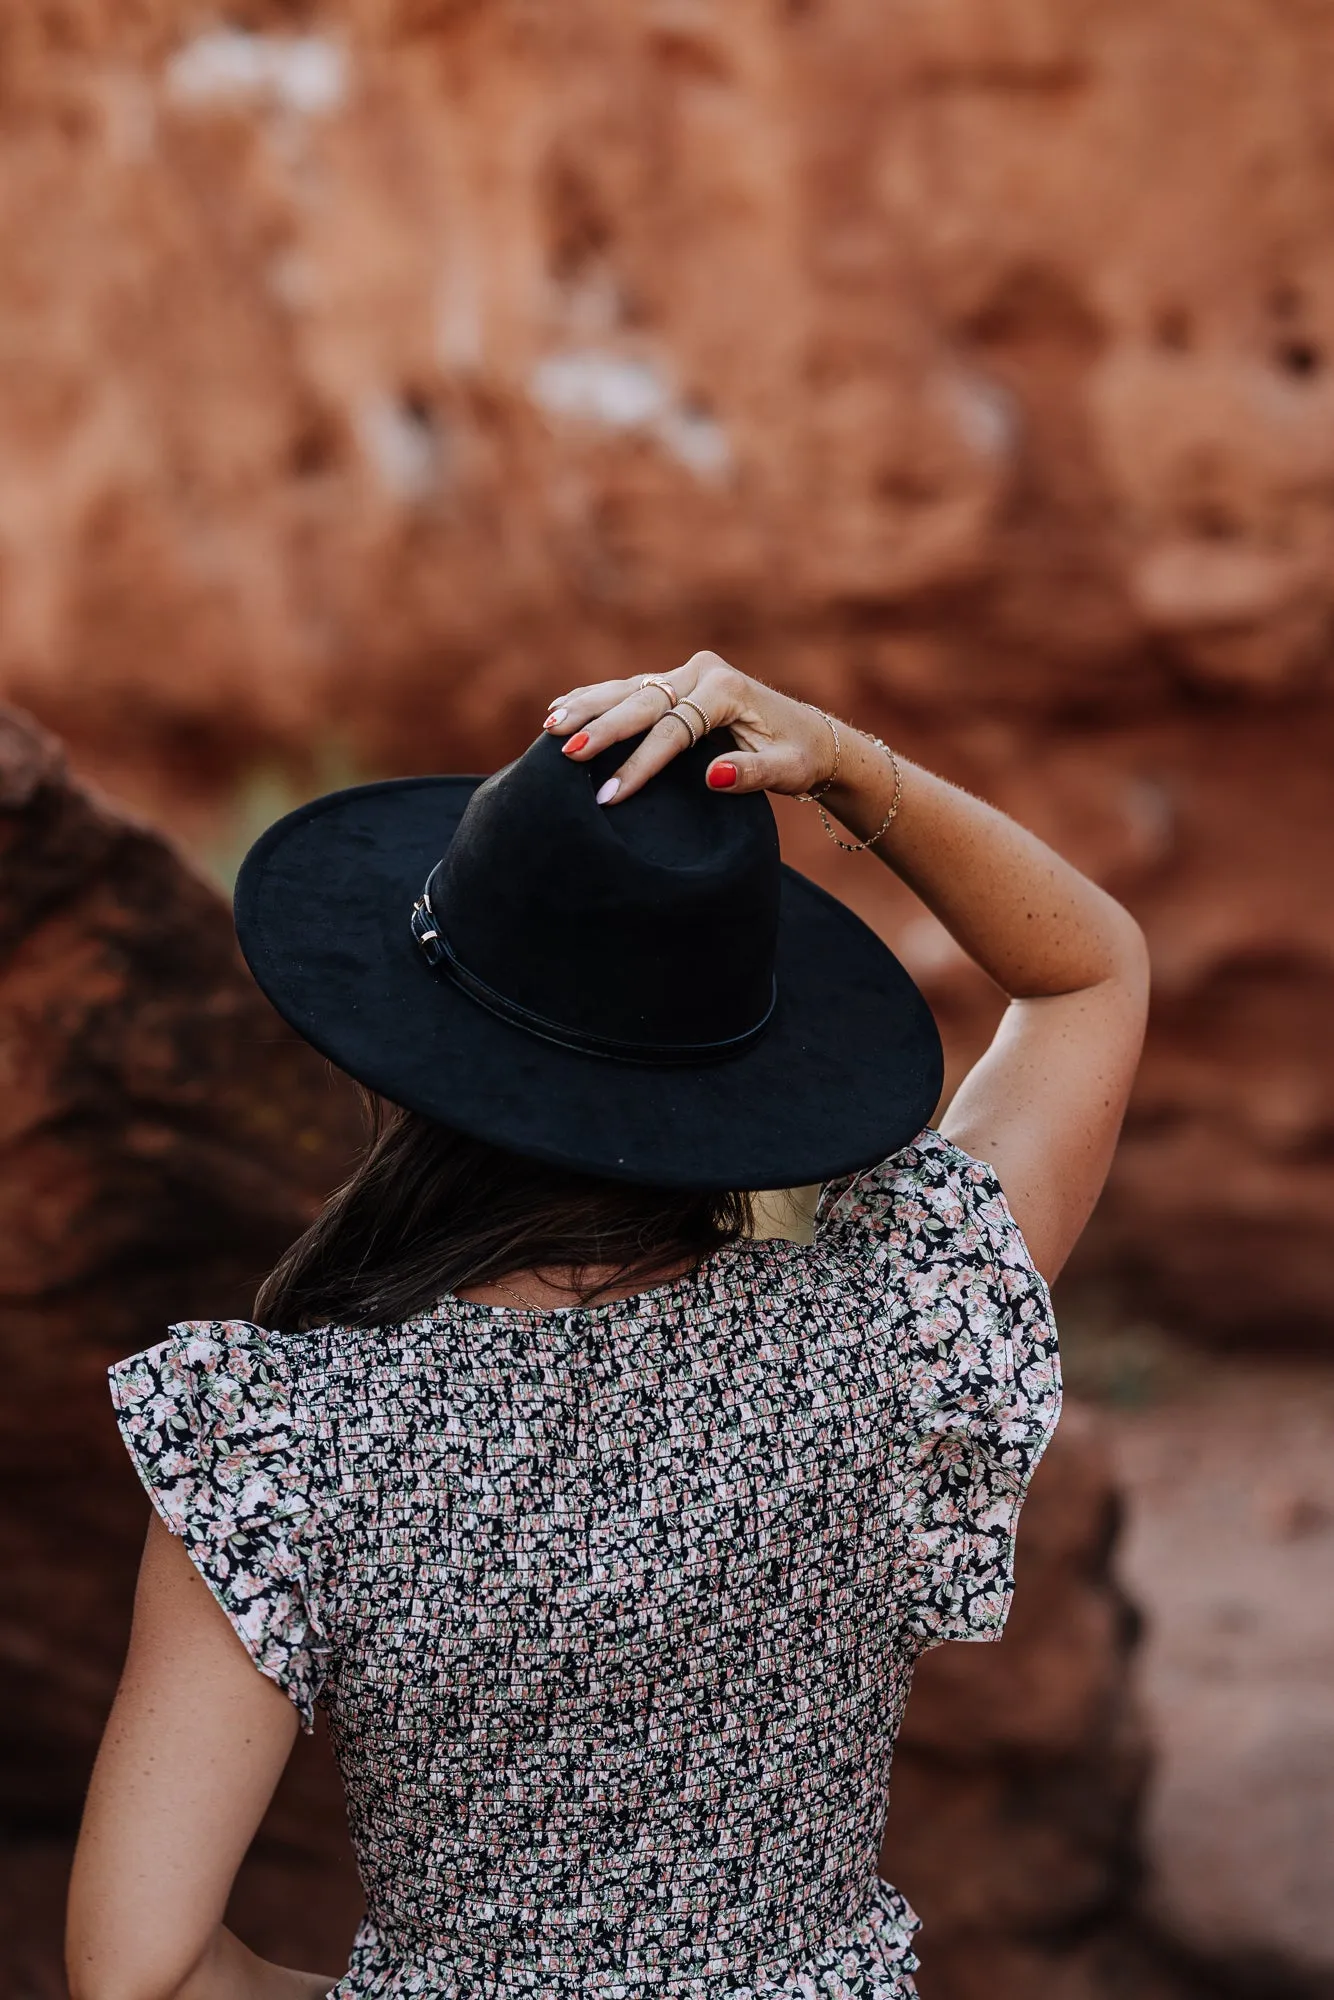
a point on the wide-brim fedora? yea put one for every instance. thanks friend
(642, 992)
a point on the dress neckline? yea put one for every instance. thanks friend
(649, 1302)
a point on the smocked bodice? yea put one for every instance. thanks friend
(614, 1610)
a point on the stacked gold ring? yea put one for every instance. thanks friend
(675, 715)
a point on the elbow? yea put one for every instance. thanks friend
(89, 1977)
(119, 1947)
(1141, 968)
(95, 1983)
(1130, 968)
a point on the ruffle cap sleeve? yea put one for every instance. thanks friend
(978, 1372)
(206, 1418)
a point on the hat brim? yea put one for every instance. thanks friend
(847, 1072)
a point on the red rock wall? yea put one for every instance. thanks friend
(1013, 1824)
(371, 371)
(162, 1139)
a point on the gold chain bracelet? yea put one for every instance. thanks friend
(814, 797)
(817, 792)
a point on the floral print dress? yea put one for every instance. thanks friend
(614, 1610)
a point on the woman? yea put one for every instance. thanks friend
(607, 1534)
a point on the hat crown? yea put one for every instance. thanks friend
(646, 930)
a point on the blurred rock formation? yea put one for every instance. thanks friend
(1014, 1825)
(1229, 1550)
(371, 371)
(162, 1138)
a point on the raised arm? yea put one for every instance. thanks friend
(1045, 1103)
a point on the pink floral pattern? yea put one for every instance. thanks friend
(207, 1421)
(614, 1611)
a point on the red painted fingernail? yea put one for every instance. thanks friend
(722, 777)
(576, 742)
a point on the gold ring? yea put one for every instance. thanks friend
(675, 715)
(663, 687)
(688, 701)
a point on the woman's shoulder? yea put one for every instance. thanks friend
(224, 1414)
(206, 1416)
(235, 1370)
(227, 1359)
(215, 1391)
(927, 1200)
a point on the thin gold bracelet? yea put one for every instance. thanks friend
(860, 846)
(817, 792)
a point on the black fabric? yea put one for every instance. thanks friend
(654, 924)
(591, 1040)
(666, 921)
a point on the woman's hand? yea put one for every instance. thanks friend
(784, 746)
(1044, 1104)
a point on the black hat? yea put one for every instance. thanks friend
(641, 992)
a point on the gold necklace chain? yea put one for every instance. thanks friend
(529, 1305)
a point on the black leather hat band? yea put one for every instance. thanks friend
(436, 950)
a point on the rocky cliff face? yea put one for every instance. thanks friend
(370, 371)
(1013, 1825)
(162, 1139)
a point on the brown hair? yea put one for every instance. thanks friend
(429, 1211)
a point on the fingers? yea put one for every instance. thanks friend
(593, 719)
(590, 731)
(667, 739)
(743, 771)
(567, 712)
(621, 707)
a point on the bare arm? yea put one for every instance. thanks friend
(195, 1744)
(1045, 1103)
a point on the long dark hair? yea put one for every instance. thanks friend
(429, 1210)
